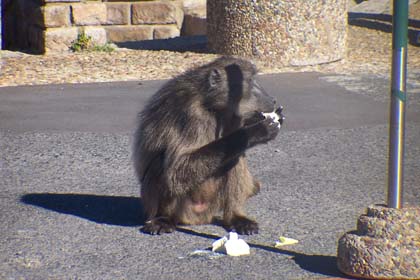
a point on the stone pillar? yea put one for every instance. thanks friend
(386, 245)
(293, 32)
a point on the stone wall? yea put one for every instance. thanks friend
(195, 14)
(52, 25)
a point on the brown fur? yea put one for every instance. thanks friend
(189, 150)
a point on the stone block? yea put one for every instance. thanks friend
(194, 24)
(193, 4)
(59, 39)
(195, 13)
(386, 245)
(165, 32)
(157, 13)
(118, 13)
(53, 16)
(98, 34)
(129, 33)
(89, 13)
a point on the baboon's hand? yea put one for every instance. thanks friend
(279, 112)
(254, 118)
(262, 132)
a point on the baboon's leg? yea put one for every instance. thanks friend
(159, 225)
(239, 186)
(195, 208)
(159, 209)
(164, 219)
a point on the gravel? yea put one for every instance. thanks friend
(368, 52)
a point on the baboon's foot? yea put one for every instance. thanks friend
(243, 225)
(158, 226)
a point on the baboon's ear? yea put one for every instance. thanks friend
(215, 78)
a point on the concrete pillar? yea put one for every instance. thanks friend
(293, 32)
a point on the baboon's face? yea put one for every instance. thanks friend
(245, 93)
(255, 100)
(239, 92)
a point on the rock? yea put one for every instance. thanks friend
(157, 13)
(194, 25)
(59, 39)
(52, 16)
(89, 13)
(98, 34)
(193, 4)
(118, 13)
(385, 246)
(195, 22)
(118, 34)
(165, 32)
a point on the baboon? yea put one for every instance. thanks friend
(189, 147)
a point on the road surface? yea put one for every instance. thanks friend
(70, 207)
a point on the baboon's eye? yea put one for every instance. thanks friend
(214, 78)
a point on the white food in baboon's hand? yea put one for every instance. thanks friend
(232, 246)
(274, 116)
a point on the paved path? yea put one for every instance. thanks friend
(69, 206)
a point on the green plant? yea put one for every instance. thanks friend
(104, 48)
(85, 43)
(82, 43)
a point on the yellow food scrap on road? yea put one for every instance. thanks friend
(285, 241)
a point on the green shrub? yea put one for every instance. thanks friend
(85, 43)
(82, 43)
(104, 48)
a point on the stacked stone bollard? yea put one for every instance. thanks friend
(295, 32)
(52, 25)
(386, 245)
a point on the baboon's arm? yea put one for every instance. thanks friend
(193, 168)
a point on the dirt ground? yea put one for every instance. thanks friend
(369, 49)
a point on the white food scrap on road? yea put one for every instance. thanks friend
(232, 246)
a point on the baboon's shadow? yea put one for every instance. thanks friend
(111, 210)
(128, 211)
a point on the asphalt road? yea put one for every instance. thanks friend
(69, 206)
